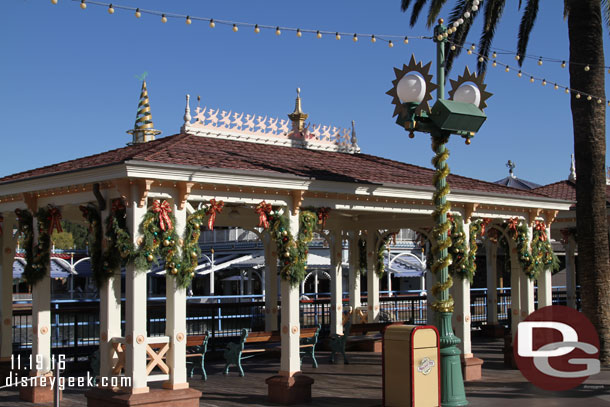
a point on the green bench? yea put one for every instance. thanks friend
(357, 332)
(236, 352)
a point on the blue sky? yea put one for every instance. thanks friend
(67, 85)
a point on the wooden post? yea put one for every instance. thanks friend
(135, 306)
(336, 283)
(372, 281)
(354, 275)
(175, 319)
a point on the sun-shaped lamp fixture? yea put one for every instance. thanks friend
(412, 89)
(469, 88)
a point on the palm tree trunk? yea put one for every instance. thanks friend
(589, 119)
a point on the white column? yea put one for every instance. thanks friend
(389, 281)
(570, 248)
(175, 320)
(545, 284)
(515, 288)
(527, 287)
(336, 283)
(354, 275)
(372, 281)
(135, 307)
(290, 360)
(461, 313)
(110, 313)
(41, 318)
(491, 259)
(270, 283)
(7, 253)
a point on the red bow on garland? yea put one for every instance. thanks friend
(214, 208)
(55, 220)
(263, 209)
(117, 205)
(484, 224)
(541, 227)
(323, 216)
(512, 224)
(163, 209)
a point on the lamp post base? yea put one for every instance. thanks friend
(452, 380)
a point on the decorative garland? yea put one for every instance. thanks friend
(159, 239)
(443, 226)
(120, 247)
(92, 215)
(383, 247)
(362, 256)
(292, 253)
(191, 250)
(464, 256)
(537, 256)
(37, 257)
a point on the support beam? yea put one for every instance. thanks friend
(135, 304)
(354, 276)
(372, 281)
(491, 258)
(515, 289)
(570, 247)
(461, 313)
(545, 284)
(175, 316)
(336, 283)
(270, 283)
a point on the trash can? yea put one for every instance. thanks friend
(411, 366)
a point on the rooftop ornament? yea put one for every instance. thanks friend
(228, 125)
(143, 130)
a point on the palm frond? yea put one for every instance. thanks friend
(459, 37)
(417, 7)
(566, 9)
(606, 12)
(525, 28)
(404, 5)
(435, 9)
(493, 13)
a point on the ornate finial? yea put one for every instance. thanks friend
(298, 117)
(511, 166)
(187, 109)
(572, 176)
(143, 129)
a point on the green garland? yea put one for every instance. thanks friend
(383, 247)
(37, 257)
(464, 256)
(92, 215)
(362, 256)
(536, 256)
(120, 247)
(476, 229)
(292, 253)
(160, 242)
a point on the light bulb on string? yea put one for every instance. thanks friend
(257, 29)
(540, 62)
(452, 48)
(466, 14)
(406, 40)
(318, 34)
(517, 57)
(163, 18)
(138, 13)
(469, 52)
(474, 8)
(473, 47)
(556, 86)
(373, 39)
(589, 97)
(587, 68)
(460, 21)
(507, 69)
(390, 44)
(188, 20)
(481, 59)
(563, 64)
(494, 64)
(544, 82)
(578, 96)
(299, 33)
(519, 74)
(83, 5)
(212, 23)
(54, 1)
(277, 31)
(494, 55)
(110, 9)
(531, 79)
(235, 29)
(567, 90)
(337, 36)
(355, 38)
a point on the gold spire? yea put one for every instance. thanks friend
(143, 129)
(298, 117)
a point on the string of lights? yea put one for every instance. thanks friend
(532, 77)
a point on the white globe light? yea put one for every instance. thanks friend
(468, 93)
(411, 89)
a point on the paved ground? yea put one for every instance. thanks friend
(359, 385)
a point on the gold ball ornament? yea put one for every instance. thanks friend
(150, 257)
(174, 271)
(166, 243)
(468, 141)
(194, 255)
(192, 274)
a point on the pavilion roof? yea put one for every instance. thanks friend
(564, 189)
(210, 153)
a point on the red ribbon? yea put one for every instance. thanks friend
(541, 227)
(163, 209)
(323, 216)
(484, 224)
(213, 209)
(263, 209)
(55, 218)
(117, 205)
(512, 224)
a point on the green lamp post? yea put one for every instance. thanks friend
(461, 114)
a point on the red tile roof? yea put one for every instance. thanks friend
(185, 149)
(564, 190)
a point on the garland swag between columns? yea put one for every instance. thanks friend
(37, 256)
(536, 256)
